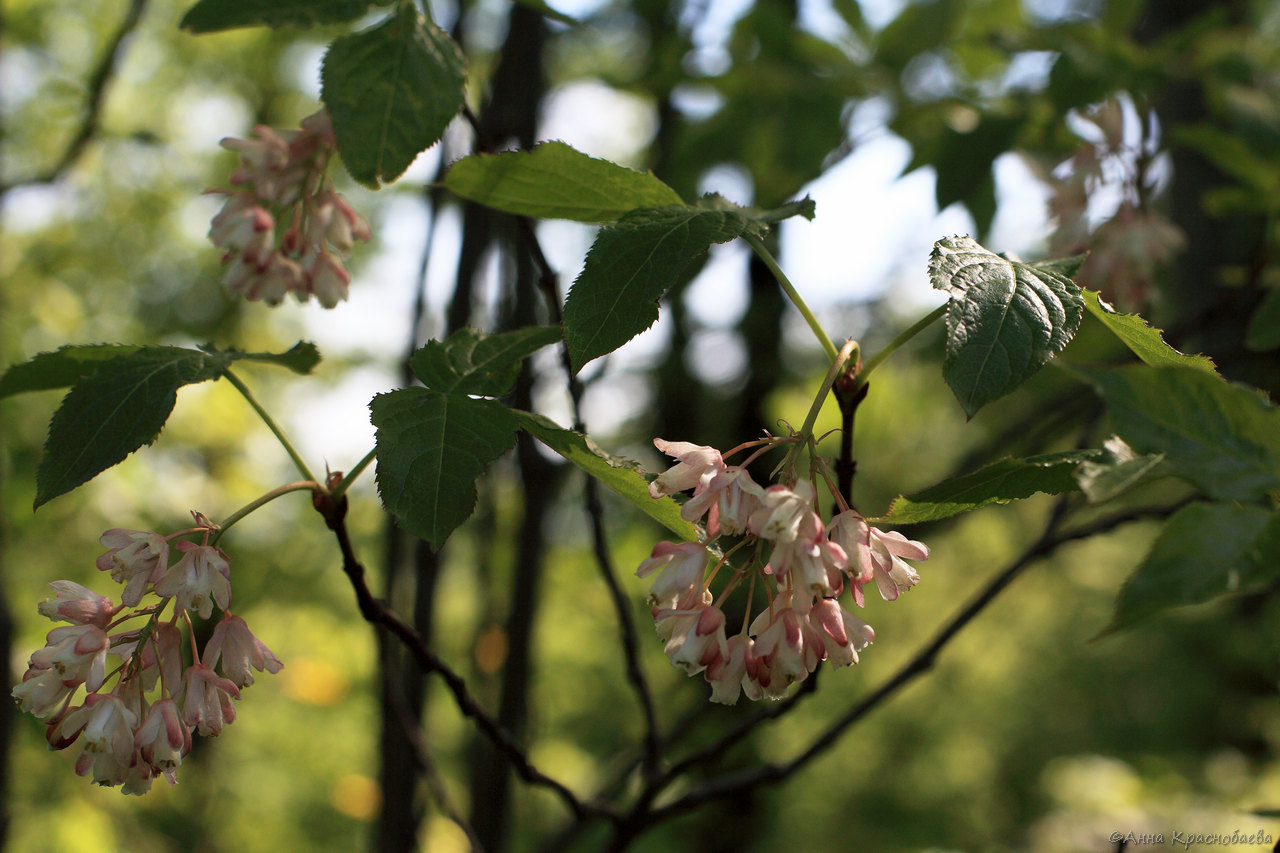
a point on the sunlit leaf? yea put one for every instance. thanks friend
(391, 91)
(431, 448)
(471, 362)
(619, 475)
(1000, 482)
(1145, 341)
(1205, 550)
(1005, 319)
(629, 267)
(552, 180)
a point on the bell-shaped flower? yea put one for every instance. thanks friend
(206, 700)
(78, 604)
(785, 651)
(682, 568)
(134, 558)
(78, 652)
(109, 727)
(42, 691)
(239, 650)
(163, 738)
(695, 466)
(726, 672)
(782, 512)
(843, 634)
(328, 279)
(697, 640)
(199, 579)
(877, 555)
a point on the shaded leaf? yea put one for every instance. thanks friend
(301, 358)
(1224, 438)
(1119, 470)
(58, 369)
(629, 267)
(114, 410)
(1263, 334)
(620, 475)
(1203, 551)
(431, 448)
(553, 180)
(209, 16)
(1145, 341)
(471, 362)
(543, 9)
(1000, 482)
(391, 91)
(1005, 319)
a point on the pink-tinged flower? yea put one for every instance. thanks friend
(669, 621)
(843, 634)
(200, 578)
(682, 567)
(698, 640)
(243, 225)
(726, 672)
(109, 727)
(77, 652)
(875, 554)
(328, 279)
(239, 650)
(78, 604)
(786, 649)
(134, 558)
(813, 564)
(206, 700)
(161, 654)
(42, 691)
(163, 738)
(695, 466)
(728, 499)
(782, 512)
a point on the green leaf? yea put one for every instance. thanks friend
(114, 410)
(1145, 341)
(58, 369)
(391, 91)
(1119, 470)
(629, 267)
(431, 448)
(471, 362)
(1263, 334)
(1005, 319)
(1203, 551)
(1000, 482)
(209, 16)
(622, 476)
(1224, 438)
(554, 181)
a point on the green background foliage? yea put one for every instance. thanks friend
(1029, 734)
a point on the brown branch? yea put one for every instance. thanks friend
(376, 612)
(97, 86)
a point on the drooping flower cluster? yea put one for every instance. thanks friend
(803, 564)
(283, 227)
(140, 726)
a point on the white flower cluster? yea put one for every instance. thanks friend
(807, 566)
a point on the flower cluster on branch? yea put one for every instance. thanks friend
(281, 183)
(140, 726)
(802, 564)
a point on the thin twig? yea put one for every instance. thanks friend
(376, 611)
(97, 86)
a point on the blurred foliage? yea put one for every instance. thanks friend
(1026, 736)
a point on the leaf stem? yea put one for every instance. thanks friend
(345, 483)
(769, 261)
(804, 438)
(271, 425)
(922, 324)
(296, 486)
